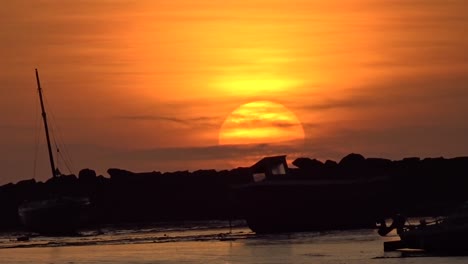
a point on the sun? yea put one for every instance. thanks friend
(261, 122)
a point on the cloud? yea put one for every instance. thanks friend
(212, 152)
(153, 118)
(284, 124)
(193, 122)
(400, 90)
(423, 140)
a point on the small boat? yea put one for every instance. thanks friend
(58, 214)
(275, 202)
(446, 235)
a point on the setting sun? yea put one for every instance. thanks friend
(261, 122)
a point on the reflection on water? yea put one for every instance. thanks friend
(134, 234)
(205, 242)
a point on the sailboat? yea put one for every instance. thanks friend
(59, 214)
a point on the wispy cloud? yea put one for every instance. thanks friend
(202, 121)
(153, 118)
(213, 152)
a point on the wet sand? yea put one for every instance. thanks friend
(217, 245)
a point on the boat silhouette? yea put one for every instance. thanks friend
(276, 202)
(58, 213)
(443, 235)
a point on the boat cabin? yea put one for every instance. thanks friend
(269, 168)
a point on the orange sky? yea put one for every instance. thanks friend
(147, 85)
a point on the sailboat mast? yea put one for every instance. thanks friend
(44, 117)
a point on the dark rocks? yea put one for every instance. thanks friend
(118, 174)
(352, 160)
(24, 183)
(87, 175)
(308, 164)
(414, 186)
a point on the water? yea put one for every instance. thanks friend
(206, 242)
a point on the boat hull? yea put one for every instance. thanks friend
(298, 207)
(438, 238)
(54, 216)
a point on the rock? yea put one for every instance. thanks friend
(87, 175)
(352, 160)
(307, 163)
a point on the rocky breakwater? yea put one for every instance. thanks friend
(414, 186)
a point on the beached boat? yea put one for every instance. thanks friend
(446, 235)
(276, 202)
(59, 213)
